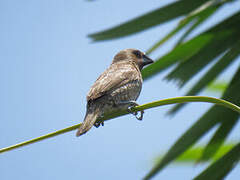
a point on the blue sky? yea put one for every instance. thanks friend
(47, 65)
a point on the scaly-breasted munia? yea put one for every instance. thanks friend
(117, 88)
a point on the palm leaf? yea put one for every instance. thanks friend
(195, 18)
(217, 86)
(193, 154)
(212, 73)
(229, 120)
(151, 19)
(218, 139)
(220, 168)
(213, 117)
(224, 35)
(198, 21)
(180, 53)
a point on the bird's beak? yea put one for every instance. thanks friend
(147, 60)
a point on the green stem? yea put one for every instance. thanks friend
(186, 99)
(183, 99)
(40, 138)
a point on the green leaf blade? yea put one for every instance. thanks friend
(156, 17)
(193, 154)
(220, 168)
(211, 118)
(211, 74)
(201, 17)
(198, 17)
(218, 139)
(180, 53)
(228, 119)
(224, 35)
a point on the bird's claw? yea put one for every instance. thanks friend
(135, 113)
(141, 116)
(99, 122)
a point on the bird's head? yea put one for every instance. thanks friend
(133, 55)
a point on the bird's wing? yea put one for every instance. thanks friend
(115, 76)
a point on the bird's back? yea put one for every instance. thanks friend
(121, 81)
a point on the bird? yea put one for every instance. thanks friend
(117, 88)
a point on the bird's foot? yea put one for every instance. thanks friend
(135, 113)
(99, 122)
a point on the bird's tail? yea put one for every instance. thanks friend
(89, 120)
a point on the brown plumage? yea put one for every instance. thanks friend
(117, 88)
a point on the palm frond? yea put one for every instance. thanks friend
(148, 20)
(229, 57)
(211, 118)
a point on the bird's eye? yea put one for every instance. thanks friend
(138, 54)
